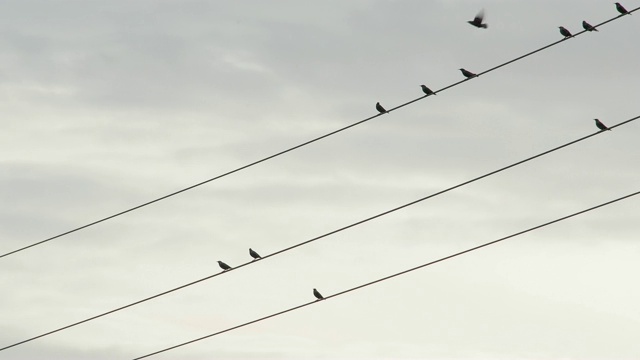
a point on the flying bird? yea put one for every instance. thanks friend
(588, 26)
(566, 33)
(380, 108)
(254, 254)
(621, 9)
(427, 91)
(224, 266)
(317, 294)
(477, 21)
(601, 126)
(468, 74)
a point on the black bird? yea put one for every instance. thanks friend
(254, 254)
(564, 32)
(468, 74)
(426, 90)
(477, 21)
(621, 9)
(601, 126)
(380, 108)
(317, 294)
(224, 266)
(588, 26)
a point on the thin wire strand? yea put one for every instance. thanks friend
(292, 148)
(394, 275)
(318, 237)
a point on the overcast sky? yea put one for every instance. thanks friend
(108, 104)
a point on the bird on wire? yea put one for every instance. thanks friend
(566, 33)
(317, 294)
(380, 108)
(601, 126)
(468, 74)
(477, 21)
(621, 9)
(224, 266)
(427, 91)
(254, 254)
(588, 26)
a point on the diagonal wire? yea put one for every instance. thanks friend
(292, 148)
(318, 237)
(394, 275)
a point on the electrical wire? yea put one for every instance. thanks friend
(292, 148)
(392, 276)
(321, 236)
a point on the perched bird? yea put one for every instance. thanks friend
(426, 90)
(564, 32)
(254, 254)
(477, 21)
(224, 266)
(380, 108)
(621, 9)
(317, 294)
(601, 126)
(588, 26)
(468, 74)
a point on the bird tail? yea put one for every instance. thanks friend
(484, 26)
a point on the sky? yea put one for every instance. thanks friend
(109, 104)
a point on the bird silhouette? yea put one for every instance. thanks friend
(601, 126)
(317, 294)
(468, 74)
(426, 90)
(380, 108)
(588, 26)
(566, 33)
(224, 266)
(254, 254)
(621, 9)
(477, 21)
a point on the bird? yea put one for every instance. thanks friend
(380, 108)
(621, 9)
(427, 91)
(564, 32)
(254, 254)
(588, 26)
(477, 21)
(468, 74)
(317, 294)
(601, 126)
(224, 266)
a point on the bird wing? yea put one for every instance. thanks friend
(478, 19)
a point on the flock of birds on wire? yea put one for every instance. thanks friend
(477, 22)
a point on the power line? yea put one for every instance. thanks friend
(394, 275)
(319, 237)
(292, 148)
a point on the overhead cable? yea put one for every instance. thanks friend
(291, 148)
(319, 237)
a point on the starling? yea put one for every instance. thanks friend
(468, 74)
(224, 266)
(601, 126)
(254, 254)
(477, 21)
(317, 294)
(588, 26)
(427, 91)
(564, 32)
(621, 9)
(380, 108)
